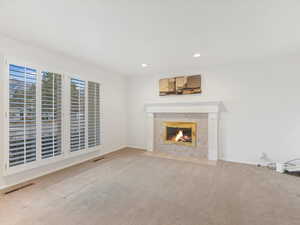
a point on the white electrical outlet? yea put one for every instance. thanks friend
(280, 167)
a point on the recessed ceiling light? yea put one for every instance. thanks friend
(144, 65)
(196, 55)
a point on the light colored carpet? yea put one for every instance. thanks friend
(133, 188)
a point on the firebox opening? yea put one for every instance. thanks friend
(183, 133)
(179, 134)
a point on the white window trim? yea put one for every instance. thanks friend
(66, 153)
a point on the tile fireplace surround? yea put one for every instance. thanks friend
(199, 150)
(196, 108)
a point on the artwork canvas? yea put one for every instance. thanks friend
(181, 85)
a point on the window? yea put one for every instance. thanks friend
(51, 115)
(22, 115)
(93, 114)
(77, 127)
(36, 126)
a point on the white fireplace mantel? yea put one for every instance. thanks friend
(212, 108)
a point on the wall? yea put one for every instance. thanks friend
(261, 107)
(113, 90)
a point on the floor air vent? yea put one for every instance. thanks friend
(98, 159)
(18, 188)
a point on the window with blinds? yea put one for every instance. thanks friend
(22, 115)
(51, 115)
(35, 116)
(93, 114)
(77, 123)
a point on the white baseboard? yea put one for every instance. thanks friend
(240, 161)
(94, 156)
(59, 168)
(224, 159)
(136, 147)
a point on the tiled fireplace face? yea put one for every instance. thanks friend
(199, 150)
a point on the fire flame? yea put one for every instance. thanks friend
(179, 135)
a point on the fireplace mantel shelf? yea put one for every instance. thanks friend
(193, 102)
(183, 107)
(212, 108)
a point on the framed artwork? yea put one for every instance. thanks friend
(182, 85)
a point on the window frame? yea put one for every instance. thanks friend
(65, 92)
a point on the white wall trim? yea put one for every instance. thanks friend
(240, 162)
(137, 147)
(61, 167)
(222, 159)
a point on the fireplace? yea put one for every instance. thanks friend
(204, 113)
(182, 133)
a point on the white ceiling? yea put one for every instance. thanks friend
(121, 35)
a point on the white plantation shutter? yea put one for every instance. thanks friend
(77, 128)
(22, 115)
(93, 114)
(51, 115)
(35, 117)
